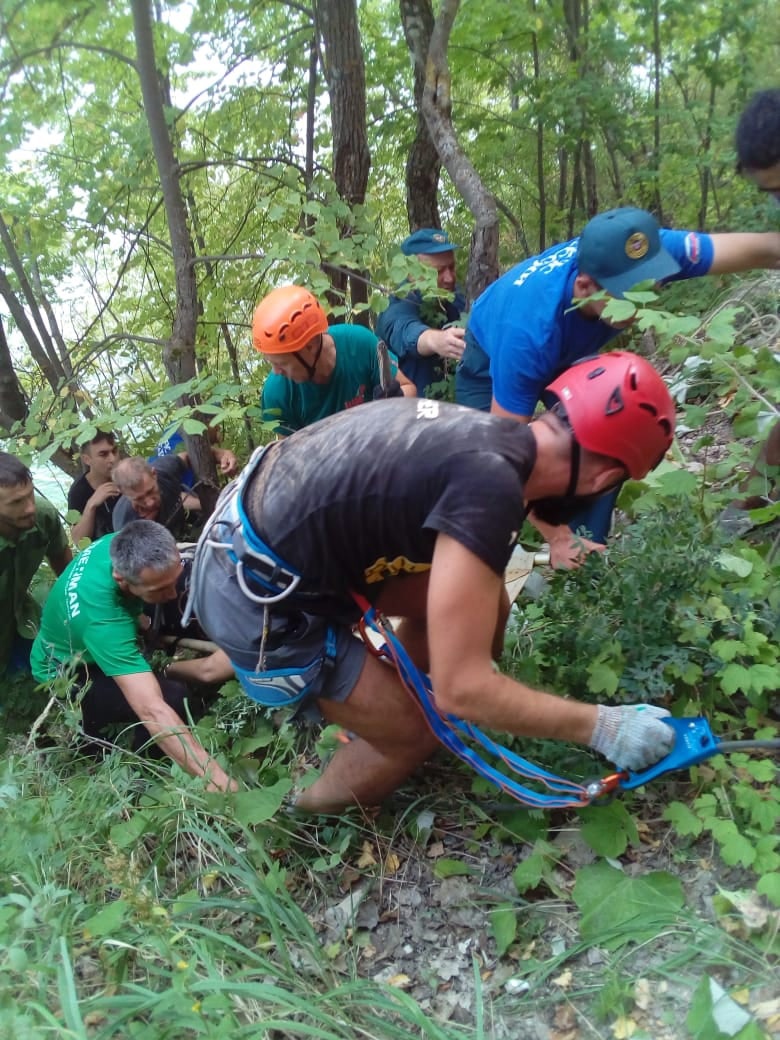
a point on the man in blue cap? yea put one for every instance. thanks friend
(420, 331)
(523, 330)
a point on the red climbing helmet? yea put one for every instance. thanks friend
(286, 320)
(618, 405)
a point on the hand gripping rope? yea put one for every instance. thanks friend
(694, 741)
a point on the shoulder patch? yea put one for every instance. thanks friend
(692, 247)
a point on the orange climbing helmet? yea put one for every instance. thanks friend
(618, 405)
(286, 320)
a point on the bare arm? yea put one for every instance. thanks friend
(142, 692)
(567, 550)
(226, 461)
(224, 458)
(463, 611)
(447, 343)
(85, 528)
(745, 251)
(213, 668)
(408, 389)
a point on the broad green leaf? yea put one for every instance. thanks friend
(530, 872)
(619, 310)
(734, 847)
(769, 886)
(735, 677)
(679, 483)
(617, 909)
(683, 820)
(112, 917)
(129, 832)
(728, 649)
(503, 925)
(253, 807)
(608, 829)
(714, 1015)
(193, 426)
(452, 868)
(603, 679)
(734, 564)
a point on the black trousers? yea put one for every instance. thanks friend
(104, 705)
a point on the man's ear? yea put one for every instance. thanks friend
(121, 582)
(585, 286)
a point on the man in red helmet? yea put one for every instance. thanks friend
(316, 369)
(336, 509)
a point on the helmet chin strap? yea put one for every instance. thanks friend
(574, 472)
(311, 368)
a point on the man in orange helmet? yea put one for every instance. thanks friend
(316, 369)
(336, 514)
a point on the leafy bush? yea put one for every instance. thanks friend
(669, 614)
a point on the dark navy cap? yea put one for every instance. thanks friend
(427, 240)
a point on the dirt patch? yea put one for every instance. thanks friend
(432, 936)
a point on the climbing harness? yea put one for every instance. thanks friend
(229, 530)
(265, 579)
(694, 741)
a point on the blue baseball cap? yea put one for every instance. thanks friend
(622, 247)
(427, 240)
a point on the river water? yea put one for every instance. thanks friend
(53, 484)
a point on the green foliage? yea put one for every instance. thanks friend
(740, 809)
(617, 908)
(709, 634)
(132, 906)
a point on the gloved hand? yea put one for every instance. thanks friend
(393, 390)
(632, 736)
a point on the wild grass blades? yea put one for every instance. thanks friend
(133, 908)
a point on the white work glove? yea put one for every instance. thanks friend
(632, 736)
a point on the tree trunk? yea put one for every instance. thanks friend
(179, 350)
(423, 165)
(437, 108)
(657, 204)
(541, 184)
(346, 78)
(13, 403)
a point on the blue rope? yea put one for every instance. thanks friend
(447, 729)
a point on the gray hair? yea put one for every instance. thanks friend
(142, 545)
(12, 471)
(129, 473)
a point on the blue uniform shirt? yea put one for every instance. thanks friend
(402, 324)
(525, 325)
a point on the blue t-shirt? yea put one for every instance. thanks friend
(525, 324)
(292, 406)
(171, 443)
(404, 321)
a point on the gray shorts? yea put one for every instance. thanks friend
(310, 658)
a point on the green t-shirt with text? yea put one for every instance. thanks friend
(87, 619)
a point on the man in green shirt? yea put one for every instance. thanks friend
(316, 369)
(90, 629)
(30, 529)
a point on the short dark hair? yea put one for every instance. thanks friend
(12, 471)
(758, 132)
(101, 435)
